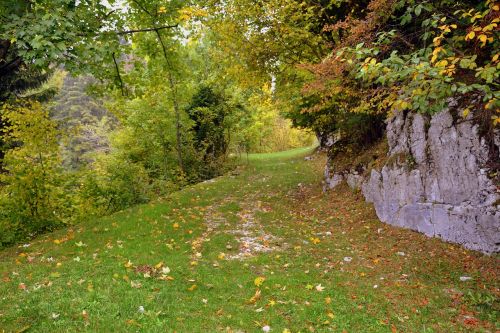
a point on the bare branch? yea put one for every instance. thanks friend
(118, 72)
(126, 32)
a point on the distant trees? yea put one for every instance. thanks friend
(84, 118)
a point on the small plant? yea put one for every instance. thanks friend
(411, 162)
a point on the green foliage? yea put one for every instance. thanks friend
(113, 184)
(34, 197)
(212, 114)
(404, 55)
(42, 32)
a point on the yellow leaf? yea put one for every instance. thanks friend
(57, 241)
(442, 63)
(483, 38)
(437, 50)
(330, 314)
(328, 300)
(470, 35)
(315, 240)
(159, 265)
(162, 10)
(465, 113)
(175, 225)
(192, 288)
(259, 281)
(221, 256)
(128, 264)
(489, 27)
(490, 103)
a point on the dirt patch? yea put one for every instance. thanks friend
(251, 236)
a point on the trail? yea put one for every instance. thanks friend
(263, 249)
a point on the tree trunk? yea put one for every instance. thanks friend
(173, 90)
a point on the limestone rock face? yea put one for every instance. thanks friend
(435, 181)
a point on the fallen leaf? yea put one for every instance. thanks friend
(255, 297)
(315, 240)
(135, 284)
(259, 281)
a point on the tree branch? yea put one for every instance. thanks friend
(141, 6)
(126, 32)
(118, 72)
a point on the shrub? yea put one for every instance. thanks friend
(33, 196)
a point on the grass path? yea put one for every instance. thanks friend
(260, 248)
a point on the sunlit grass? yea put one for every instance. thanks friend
(376, 278)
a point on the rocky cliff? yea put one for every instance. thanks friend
(434, 180)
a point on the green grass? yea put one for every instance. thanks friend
(78, 279)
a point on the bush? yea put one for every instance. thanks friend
(33, 196)
(113, 184)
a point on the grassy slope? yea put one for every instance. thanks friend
(45, 288)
